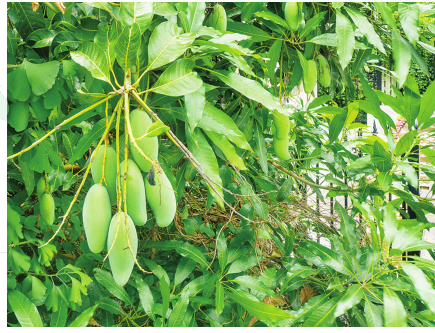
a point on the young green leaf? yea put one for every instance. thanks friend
(25, 311)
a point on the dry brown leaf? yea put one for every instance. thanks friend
(307, 293)
(270, 301)
(35, 6)
(92, 322)
(61, 6)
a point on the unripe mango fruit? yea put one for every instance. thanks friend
(47, 208)
(120, 258)
(218, 18)
(310, 77)
(324, 74)
(292, 15)
(161, 199)
(41, 187)
(136, 199)
(140, 121)
(109, 171)
(96, 217)
(282, 125)
(281, 148)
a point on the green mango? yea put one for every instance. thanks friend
(109, 170)
(47, 208)
(97, 213)
(218, 18)
(136, 199)
(120, 258)
(292, 15)
(140, 121)
(324, 72)
(310, 77)
(161, 198)
(280, 146)
(282, 125)
(41, 187)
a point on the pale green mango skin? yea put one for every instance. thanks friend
(310, 78)
(324, 71)
(41, 187)
(282, 125)
(218, 19)
(161, 199)
(96, 217)
(47, 208)
(120, 258)
(136, 198)
(140, 121)
(281, 148)
(109, 171)
(292, 15)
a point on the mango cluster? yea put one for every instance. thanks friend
(119, 232)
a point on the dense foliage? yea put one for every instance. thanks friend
(241, 155)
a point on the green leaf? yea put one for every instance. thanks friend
(106, 38)
(167, 43)
(393, 102)
(312, 24)
(87, 29)
(390, 223)
(157, 270)
(106, 280)
(336, 126)
(427, 105)
(164, 290)
(140, 13)
(387, 14)
(58, 318)
(204, 154)
(352, 297)
(25, 311)
(242, 264)
(18, 116)
(92, 57)
(111, 305)
(195, 16)
(394, 312)
(411, 97)
(25, 19)
(183, 248)
(308, 308)
(83, 319)
(409, 14)
(262, 311)
(184, 268)
(257, 34)
(409, 172)
(261, 146)
(273, 18)
(249, 88)
(254, 284)
(179, 311)
(324, 315)
(327, 39)
(384, 180)
(421, 283)
(213, 117)
(18, 85)
(12, 42)
(41, 77)
(222, 251)
(146, 297)
(347, 228)
(178, 79)
(195, 104)
(366, 28)
(227, 148)
(55, 299)
(156, 129)
(220, 297)
(127, 47)
(361, 58)
(42, 38)
(345, 39)
(328, 257)
(373, 314)
(165, 9)
(402, 57)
